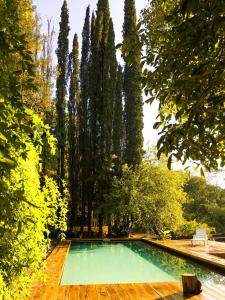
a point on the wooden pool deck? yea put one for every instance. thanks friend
(51, 290)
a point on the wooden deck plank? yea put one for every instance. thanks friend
(143, 293)
(132, 292)
(123, 294)
(211, 290)
(164, 291)
(49, 293)
(153, 294)
(102, 292)
(73, 292)
(91, 292)
(83, 292)
(111, 290)
(173, 291)
(60, 294)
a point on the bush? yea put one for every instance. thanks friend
(152, 195)
(187, 229)
(27, 211)
(26, 215)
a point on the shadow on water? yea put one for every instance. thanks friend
(172, 264)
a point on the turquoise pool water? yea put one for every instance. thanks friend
(127, 262)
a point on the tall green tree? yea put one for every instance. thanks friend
(185, 46)
(101, 36)
(111, 76)
(93, 66)
(110, 99)
(46, 64)
(74, 133)
(61, 91)
(118, 124)
(133, 111)
(107, 88)
(102, 95)
(85, 115)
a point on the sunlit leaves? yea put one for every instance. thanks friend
(27, 213)
(205, 203)
(183, 42)
(152, 194)
(25, 209)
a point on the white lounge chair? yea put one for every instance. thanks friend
(200, 235)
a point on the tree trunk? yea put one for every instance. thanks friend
(89, 215)
(109, 226)
(83, 215)
(100, 219)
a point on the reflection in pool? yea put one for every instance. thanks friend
(128, 262)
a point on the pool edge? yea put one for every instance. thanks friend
(218, 266)
(64, 262)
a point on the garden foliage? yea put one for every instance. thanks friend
(29, 210)
(153, 199)
(184, 69)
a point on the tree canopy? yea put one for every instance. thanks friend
(152, 197)
(184, 44)
(205, 203)
(133, 106)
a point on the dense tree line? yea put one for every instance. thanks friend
(104, 113)
(205, 203)
(165, 203)
(77, 140)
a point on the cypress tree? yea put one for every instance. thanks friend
(103, 106)
(133, 112)
(85, 135)
(118, 124)
(93, 82)
(102, 95)
(109, 102)
(62, 54)
(74, 132)
(96, 75)
(111, 74)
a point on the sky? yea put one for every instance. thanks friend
(51, 9)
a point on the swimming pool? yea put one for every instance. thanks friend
(127, 262)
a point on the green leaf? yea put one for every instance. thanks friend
(6, 161)
(202, 172)
(2, 137)
(157, 125)
(119, 46)
(169, 162)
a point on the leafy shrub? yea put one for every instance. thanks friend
(27, 211)
(165, 235)
(187, 229)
